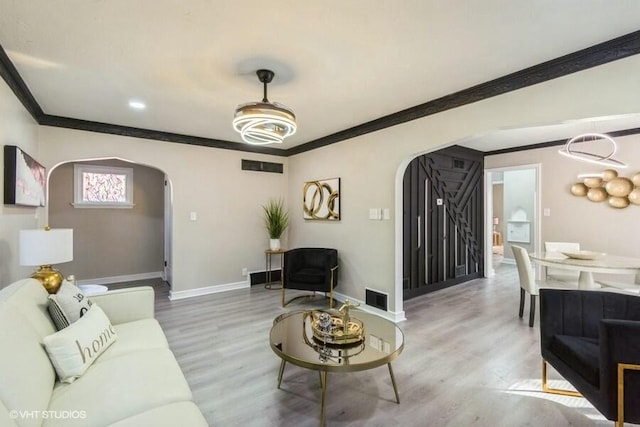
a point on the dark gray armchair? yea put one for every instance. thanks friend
(592, 339)
(310, 269)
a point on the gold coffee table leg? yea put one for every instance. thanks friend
(323, 383)
(281, 372)
(393, 381)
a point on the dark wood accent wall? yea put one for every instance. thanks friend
(443, 220)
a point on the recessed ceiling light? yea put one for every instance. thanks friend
(137, 105)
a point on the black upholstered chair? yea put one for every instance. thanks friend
(310, 269)
(592, 339)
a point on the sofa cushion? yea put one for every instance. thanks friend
(26, 375)
(67, 305)
(73, 349)
(171, 415)
(136, 336)
(7, 418)
(121, 387)
(30, 298)
(583, 354)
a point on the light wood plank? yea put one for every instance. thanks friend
(468, 361)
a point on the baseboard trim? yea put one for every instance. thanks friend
(213, 289)
(119, 279)
(395, 317)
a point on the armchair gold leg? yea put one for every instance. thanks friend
(621, 368)
(547, 389)
(283, 296)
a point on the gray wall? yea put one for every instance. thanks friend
(111, 242)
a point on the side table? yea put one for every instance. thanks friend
(268, 254)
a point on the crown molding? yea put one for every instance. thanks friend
(614, 134)
(90, 126)
(17, 85)
(602, 53)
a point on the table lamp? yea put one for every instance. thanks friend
(44, 248)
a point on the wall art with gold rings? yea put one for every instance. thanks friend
(321, 199)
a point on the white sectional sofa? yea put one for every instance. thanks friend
(135, 382)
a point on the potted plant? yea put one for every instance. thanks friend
(276, 220)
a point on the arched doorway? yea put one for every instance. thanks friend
(114, 244)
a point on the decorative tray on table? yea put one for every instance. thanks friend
(335, 327)
(588, 255)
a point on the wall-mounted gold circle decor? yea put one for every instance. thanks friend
(619, 191)
(593, 182)
(619, 187)
(597, 194)
(634, 196)
(579, 189)
(618, 202)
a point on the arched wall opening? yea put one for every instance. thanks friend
(114, 245)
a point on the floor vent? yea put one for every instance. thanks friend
(376, 299)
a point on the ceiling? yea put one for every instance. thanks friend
(338, 63)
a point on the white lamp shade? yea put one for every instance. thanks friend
(45, 247)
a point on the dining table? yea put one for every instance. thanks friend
(601, 263)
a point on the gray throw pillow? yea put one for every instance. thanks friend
(67, 305)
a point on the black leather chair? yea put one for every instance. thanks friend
(592, 339)
(310, 269)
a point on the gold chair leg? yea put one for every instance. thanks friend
(283, 296)
(547, 389)
(621, 368)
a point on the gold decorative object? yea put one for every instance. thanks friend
(321, 199)
(579, 189)
(619, 187)
(618, 202)
(334, 328)
(618, 191)
(634, 196)
(43, 248)
(593, 182)
(609, 174)
(597, 194)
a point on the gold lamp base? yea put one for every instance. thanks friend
(50, 278)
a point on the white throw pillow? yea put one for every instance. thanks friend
(67, 305)
(73, 349)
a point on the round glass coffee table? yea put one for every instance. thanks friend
(292, 339)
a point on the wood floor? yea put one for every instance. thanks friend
(468, 361)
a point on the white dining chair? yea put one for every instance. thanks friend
(528, 283)
(557, 273)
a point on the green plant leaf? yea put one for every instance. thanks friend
(276, 218)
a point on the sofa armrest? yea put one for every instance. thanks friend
(126, 305)
(619, 343)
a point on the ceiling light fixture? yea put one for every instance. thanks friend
(261, 123)
(138, 105)
(586, 156)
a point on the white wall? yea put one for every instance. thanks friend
(228, 233)
(371, 166)
(16, 128)
(596, 226)
(519, 203)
